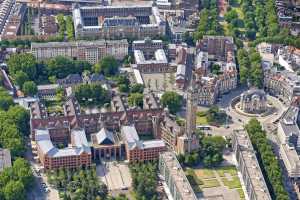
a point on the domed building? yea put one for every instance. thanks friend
(253, 101)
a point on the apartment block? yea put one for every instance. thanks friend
(248, 166)
(91, 52)
(174, 176)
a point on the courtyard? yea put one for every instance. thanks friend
(216, 183)
(115, 175)
(160, 81)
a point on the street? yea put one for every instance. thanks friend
(269, 124)
(37, 192)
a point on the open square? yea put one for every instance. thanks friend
(115, 175)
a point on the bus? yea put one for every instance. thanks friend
(204, 127)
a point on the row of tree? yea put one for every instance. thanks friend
(14, 125)
(250, 67)
(78, 184)
(16, 180)
(144, 180)
(267, 160)
(208, 24)
(54, 68)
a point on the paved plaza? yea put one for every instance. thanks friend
(115, 175)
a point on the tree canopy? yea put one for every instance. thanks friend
(29, 88)
(15, 180)
(107, 66)
(144, 180)
(91, 94)
(24, 62)
(5, 99)
(250, 67)
(172, 100)
(267, 160)
(136, 99)
(78, 184)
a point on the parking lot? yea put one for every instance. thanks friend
(115, 175)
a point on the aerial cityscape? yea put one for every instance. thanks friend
(149, 100)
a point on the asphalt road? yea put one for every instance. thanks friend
(37, 192)
(268, 123)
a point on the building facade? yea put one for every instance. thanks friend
(174, 176)
(283, 84)
(51, 157)
(253, 101)
(289, 135)
(214, 51)
(91, 52)
(253, 178)
(118, 21)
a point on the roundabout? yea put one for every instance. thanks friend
(270, 113)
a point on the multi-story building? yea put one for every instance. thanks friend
(110, 139)
(158, 64)
(138, 150)
(218, 47)
(5, 159)
(288, 15)
(92, 52)
(137, 20)
(51, 157)
(284, 84)
(248, 165)
(174, 176)
(6, 7)
(107, 145)
(253, 101)
(289, 58)
(14, 22)
(147, 46)
(289, 136)
(215, 50)
(150, 56)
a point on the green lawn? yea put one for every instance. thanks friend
(201, 120)
(228, 169)
(209, 183)
(205, 173)
(231, 184)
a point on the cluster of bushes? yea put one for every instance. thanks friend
(78, 184)
(144, 180)
(16, 180)
(250, 67)
(267, 160)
